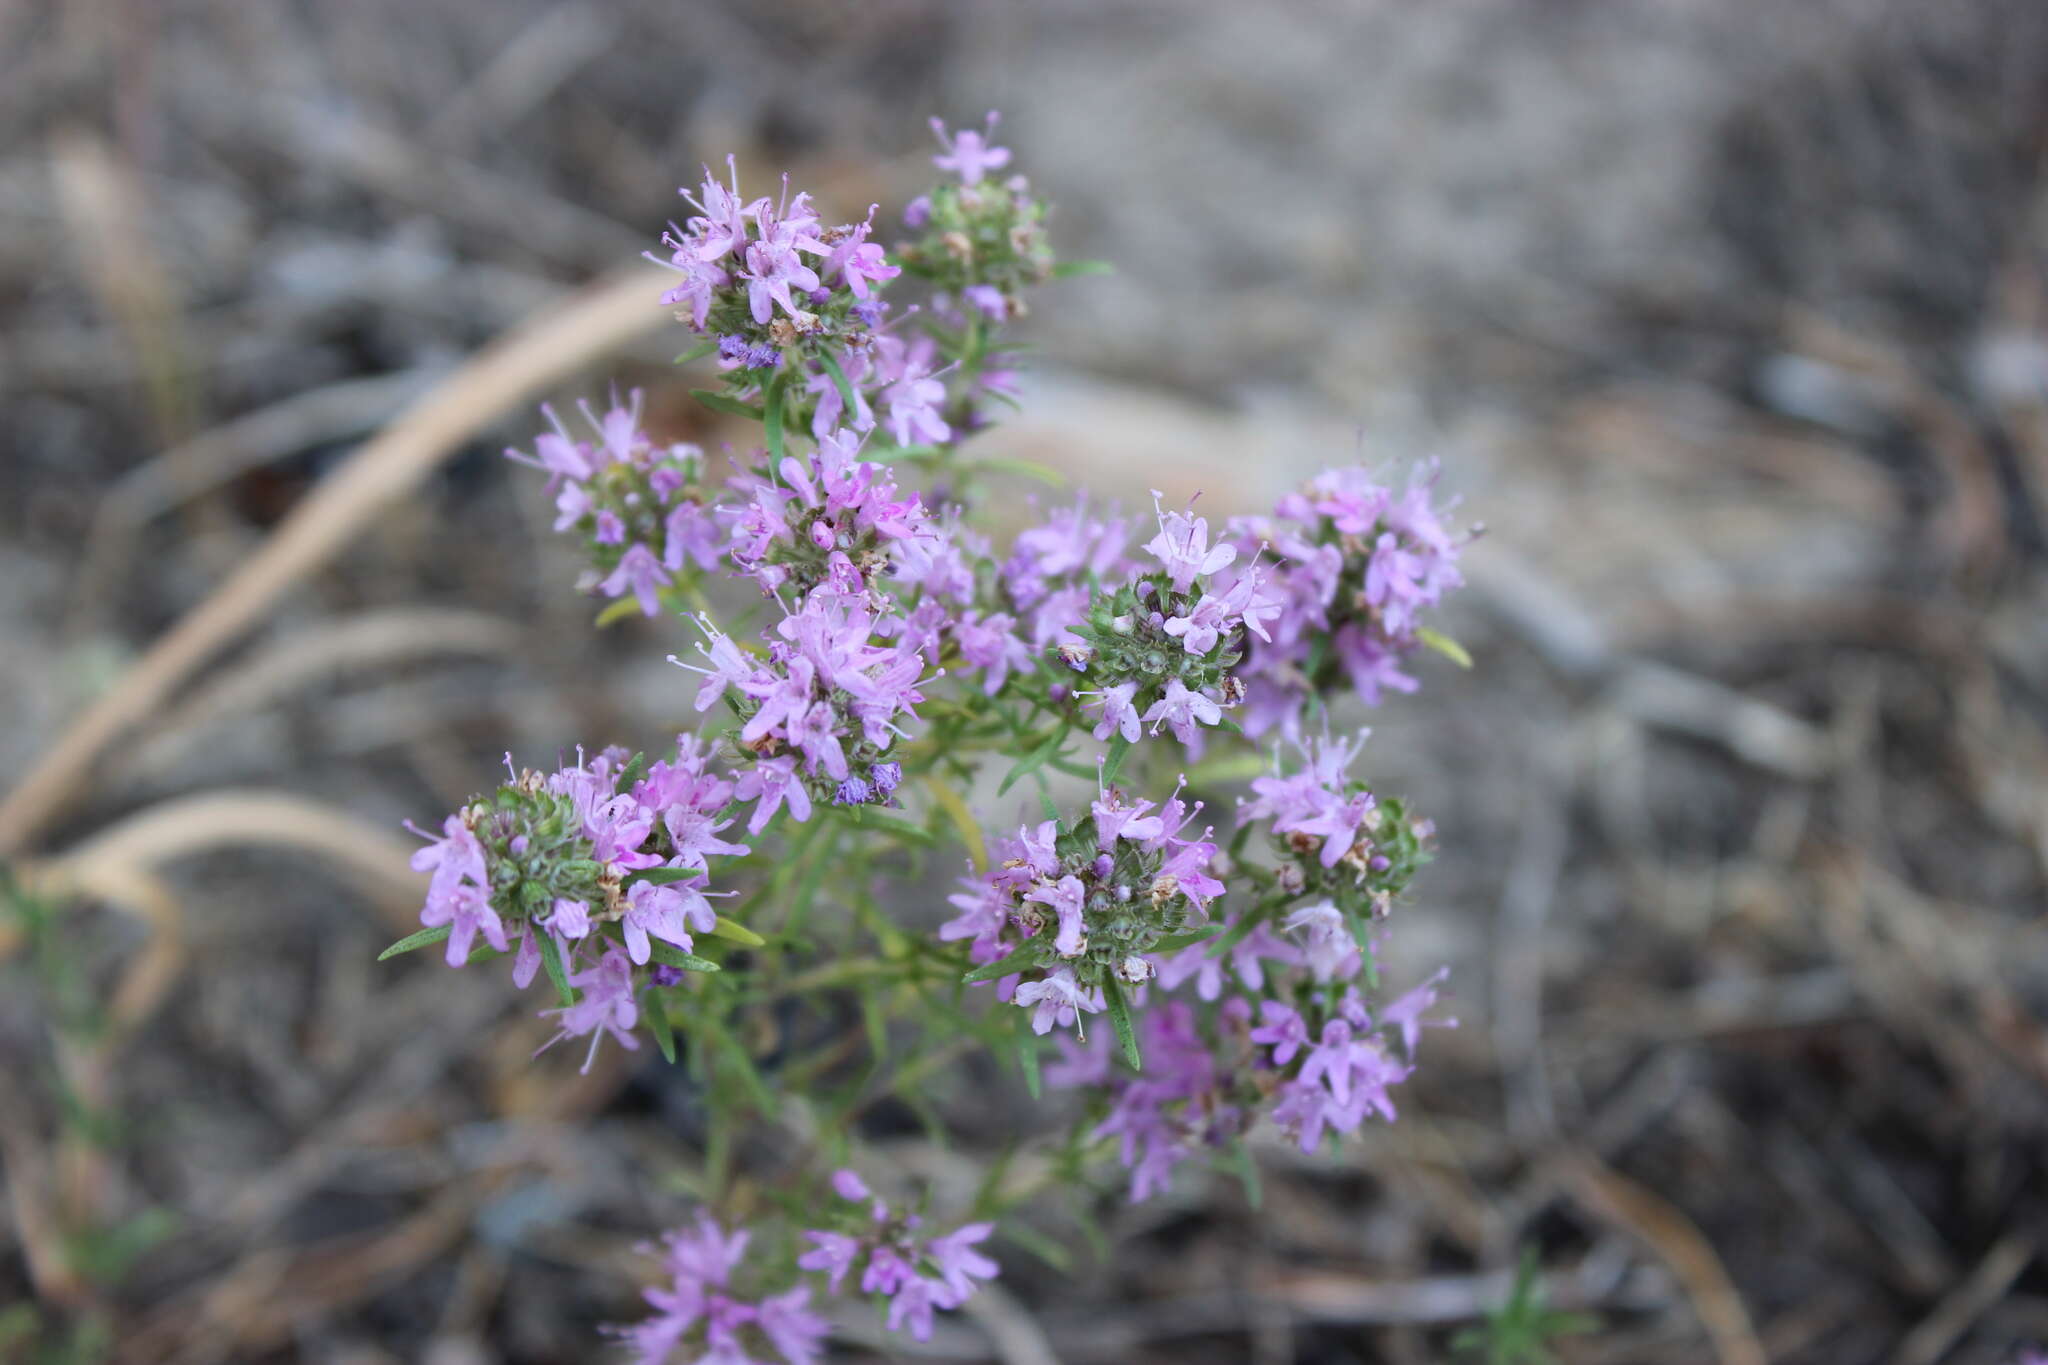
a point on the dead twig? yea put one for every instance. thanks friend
(379, 474)
(1968, 1301)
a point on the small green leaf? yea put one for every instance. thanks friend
(631, 773)
(732, 407)
(1023, 959)
(1119, 749)
(1446, 646)
(419, 940)
(737, 933)
(839, 381)
(697, 352)
(660, 876)
(1067, 270)
(1027, 469)
(1173, 943)
(670, 955)
(1034, 760)
(1027, 1058)
(1234, 935)
(615, 612)
(1045, 804)
(655, 1010)
(1120, 1016)
(551, 959)
(874, 817)
(772, 415)
(1030, 1239)
(1247, 1168)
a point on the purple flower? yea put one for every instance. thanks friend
(468, 909)
(989, 643)
(666, 912)
(1180, 709)
(1182, 545)
(1405, 1014)
(606, 1006)
(1118, 715)
(1283, 1030)
(969, 153)
(1329, 950)
(959, 1263)
(911, 1307)
(794, 1331)
(1064, 897)
(1114, 820)
(1205, 622)
(1059, 999)
(832, 1252)
(641, 573)
(772, 783)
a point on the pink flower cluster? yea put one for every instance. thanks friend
(819, 709)
(591, 864)
(915, 1273)
(1359, 566)
(698, 1315)
(1086, 906)
(639, 506)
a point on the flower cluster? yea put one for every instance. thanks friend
(981, 243)
(886, 652)
(699, 1314)
(639, 508)
(914, 1272)
(1162, 646)
(818, 712)
(1085, 907)
(766, 276)
(1282, 1029)
(589, 866)
(832, 517)
(1360, 564)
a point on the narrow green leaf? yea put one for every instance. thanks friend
(419, 940)
(1027, 1054)
(1027, 469)
(737, 933)
(1045, 804)
(551, 959)
(1173, 943)
(655, 1010)
(660, 876)
(1119, 749)
(839, 381)
(1446, 646)
(631, 773)
(1030, 1239)
(1120, 1016)
(1034, 760)
(1234, 935)
(772, 415)
(1247, 1167)
(1067, 270)
(874, 817)
(697, 352)
(732, 407)
(615, 612)
(1024, 958)
(670, 955)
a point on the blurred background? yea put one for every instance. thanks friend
(1726, 317)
